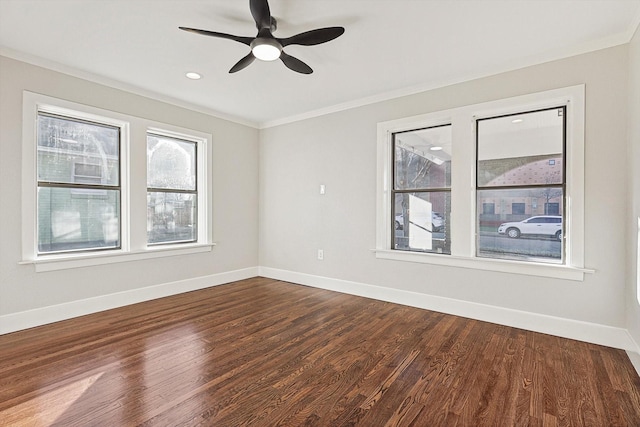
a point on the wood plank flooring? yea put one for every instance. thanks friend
(265, 353)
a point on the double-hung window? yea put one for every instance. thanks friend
(78, 194)
(88, 191)
(421, 191)
(494, 186)
(172, 195)
(520, 170)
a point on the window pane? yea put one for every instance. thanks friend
(523, 149)
(488, 208)
(171, 163)
(421, 221)
(77, 219)
(517, 208)
(72, 151)
(171, 217)
(422, 158)
(530, 233)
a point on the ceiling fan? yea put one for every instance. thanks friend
(266, 47)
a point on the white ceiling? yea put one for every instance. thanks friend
(390, 47)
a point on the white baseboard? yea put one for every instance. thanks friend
(634, 355)
(55, 313)
(567, 328)
(635, 360)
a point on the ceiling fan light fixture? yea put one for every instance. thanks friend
(266, 49)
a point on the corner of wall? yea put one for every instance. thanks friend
(635, 360)
(633, 209)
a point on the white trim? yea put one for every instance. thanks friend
(489, 264)
(634, 357)
(32, 104)
(204, 170)
(463, 200)
(511, 65)
(133, 186)
(634, 354)
(116, 84)
(88, 259)
(566, 328)
(55, 313)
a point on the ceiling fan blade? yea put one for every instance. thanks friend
(243, 40)
(295, 64)
(261, 13)
(313, 37)
(243, 63)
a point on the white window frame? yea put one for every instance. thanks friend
(463, 188)
(133, 183)
(201, 179)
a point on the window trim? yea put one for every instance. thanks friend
(133, 184)
(463, 210)
(200, 147)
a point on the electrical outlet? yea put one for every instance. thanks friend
(320, 254)
(322, 189)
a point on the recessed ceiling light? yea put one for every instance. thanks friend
(517, 121)
(435, 148)
(193, 76)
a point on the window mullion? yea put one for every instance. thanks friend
(170, 190)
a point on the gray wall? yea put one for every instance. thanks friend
(235, 196)
(633, 307)
(339, 150)
(281, 174)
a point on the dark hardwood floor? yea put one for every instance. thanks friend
(262, 352)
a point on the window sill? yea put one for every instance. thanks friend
(67, 261)
(517, 267)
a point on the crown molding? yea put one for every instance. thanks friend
(116, 84)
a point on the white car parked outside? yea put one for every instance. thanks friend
(546, 225)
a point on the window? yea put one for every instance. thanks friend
(510, 190)
(488, 208)
(517, 208)
(520, 162)
(83, 204)
(421, 189)
(172, 195)
(78, 191)
(552, 208)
